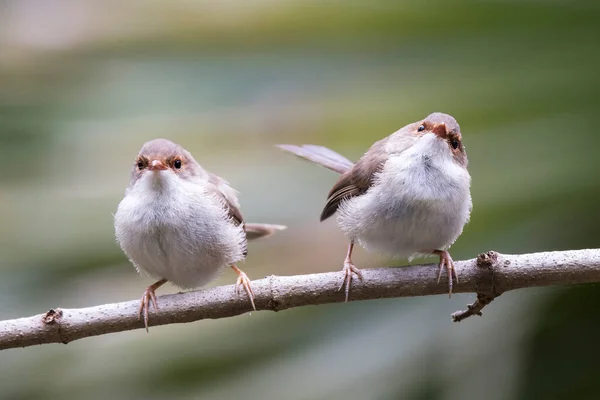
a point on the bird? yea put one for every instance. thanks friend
(407, 196)
(182, 224)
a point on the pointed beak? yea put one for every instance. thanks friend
(440, 130)
(157, 165)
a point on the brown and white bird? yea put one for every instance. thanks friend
(181, 224)
(408, 195)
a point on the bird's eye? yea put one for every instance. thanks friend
(177, 164)
(421, 128)
(141, 164)
(454, 143)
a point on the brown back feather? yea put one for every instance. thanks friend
(357, 180)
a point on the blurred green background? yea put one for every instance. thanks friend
(83, 84)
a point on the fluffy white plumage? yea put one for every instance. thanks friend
(419, 202)
(178, 229)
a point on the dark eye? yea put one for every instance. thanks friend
(454, 143)
(421, 128)
(141, 164)
(177, 164)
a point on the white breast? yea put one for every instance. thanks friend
(179, 232)
(419, 201)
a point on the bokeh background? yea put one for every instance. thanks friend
(84, 83)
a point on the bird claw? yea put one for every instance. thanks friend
(244, 281)
(447, 262)
(348, 270)
(149, 298)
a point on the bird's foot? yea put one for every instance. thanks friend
(149, 298)
(447, 262)
(244, 281)
(348, 270)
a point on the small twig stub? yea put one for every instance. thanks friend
(473, 309)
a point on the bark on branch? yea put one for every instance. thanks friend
(489, 275)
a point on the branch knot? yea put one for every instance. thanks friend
(487, 260)
(52, 316)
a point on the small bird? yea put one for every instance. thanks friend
(180, 223)
(408, 195)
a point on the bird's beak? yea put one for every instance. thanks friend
(157, 165)
(440, 130)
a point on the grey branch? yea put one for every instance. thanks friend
(489, 275)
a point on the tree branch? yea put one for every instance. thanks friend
(489, 275)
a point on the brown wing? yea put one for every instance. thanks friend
(229, 197)
(233, 212)
(357, 180)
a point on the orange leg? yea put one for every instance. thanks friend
(244, 281)
(348, 270)
(150, 298)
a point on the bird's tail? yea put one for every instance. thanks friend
(319, 155)
(255, 231)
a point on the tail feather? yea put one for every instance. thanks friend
(255, 231)
(319, 155)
